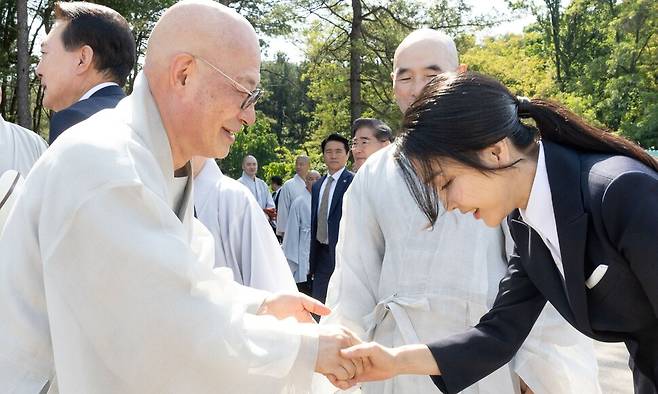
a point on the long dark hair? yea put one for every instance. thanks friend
(457, 115)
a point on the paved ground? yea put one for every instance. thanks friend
(614, 375)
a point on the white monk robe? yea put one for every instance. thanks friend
(19, 148)
(297, 242)
(244, 240)
(291, 189)
(107, 280)
(398, 282)
(259, 189)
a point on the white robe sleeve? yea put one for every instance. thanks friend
(258, 253)
(123, 278)
(269, 201)
(291, 242)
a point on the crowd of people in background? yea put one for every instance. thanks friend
(131, 263)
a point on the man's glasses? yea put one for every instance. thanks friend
(252, 95)
(359, 143)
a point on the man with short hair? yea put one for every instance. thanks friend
(108, 281)
(296, 245)
(275, 184)
(85, 60)
(400, 281)
(326, 212)
(256, 186)
(293, 188)
(368, 136)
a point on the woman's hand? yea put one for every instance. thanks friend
(380, 362)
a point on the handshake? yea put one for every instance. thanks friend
(342, 357)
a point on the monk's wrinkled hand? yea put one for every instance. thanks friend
(340, 371)
(296, 305)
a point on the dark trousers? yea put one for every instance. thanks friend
(644, 361)
(324, 267)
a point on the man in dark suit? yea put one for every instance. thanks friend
(85, 61)
(326, 211)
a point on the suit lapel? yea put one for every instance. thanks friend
(539, 265)
(315, 190)
(564, 176)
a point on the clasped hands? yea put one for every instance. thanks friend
(342, 357)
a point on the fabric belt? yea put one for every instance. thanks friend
(397, 306)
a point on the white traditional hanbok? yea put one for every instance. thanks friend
(19, 148)
(297, 242)
(291, 189)
(259, 189)
(398, 281)
(107, 280)
(244, 240)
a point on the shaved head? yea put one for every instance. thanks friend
(250, 166)
(439, 48)
(302, 164)
(202, 60)
(311, 178)
(249, 159)
(422, 55)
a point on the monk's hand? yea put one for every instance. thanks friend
(296, 305)
(340, 371)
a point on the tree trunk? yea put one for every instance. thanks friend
(554, 16)
(24, 117)
(355, 61)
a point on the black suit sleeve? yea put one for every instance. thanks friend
(62, 120)
(630, 215)
(468, 357)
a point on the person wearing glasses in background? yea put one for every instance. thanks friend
(368, 136)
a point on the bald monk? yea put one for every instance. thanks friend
(114, 291)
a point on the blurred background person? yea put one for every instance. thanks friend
(368, 136)
(296, 245)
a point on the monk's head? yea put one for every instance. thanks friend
(421, 56)
(203, 68)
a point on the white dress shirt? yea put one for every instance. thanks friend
(539, 212)
(96, 88)
(539, 215)
(336, 175)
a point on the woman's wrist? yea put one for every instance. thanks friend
(415, 360)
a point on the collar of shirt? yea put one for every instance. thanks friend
(336, 175)
(248, 178)
(96, 88)
(539, 213)
(299, 179)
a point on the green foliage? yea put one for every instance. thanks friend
(257, 140)
(286, 101)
